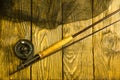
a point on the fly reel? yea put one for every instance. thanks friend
(24, 49)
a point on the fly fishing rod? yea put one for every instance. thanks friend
(61, 44)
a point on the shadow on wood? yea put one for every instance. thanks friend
(47, 12)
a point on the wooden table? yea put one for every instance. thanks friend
(97, 57)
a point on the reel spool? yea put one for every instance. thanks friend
(24, 49)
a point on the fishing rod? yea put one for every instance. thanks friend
(61, 44)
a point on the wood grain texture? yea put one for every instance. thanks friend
(49, 68)
(97, 57)
(77, 59)
(10, 33)
(77, 55)
(106, 46)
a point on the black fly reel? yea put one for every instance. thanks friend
(24, 49)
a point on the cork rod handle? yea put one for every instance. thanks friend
(55, 47)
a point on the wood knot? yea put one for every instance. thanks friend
(110, 44)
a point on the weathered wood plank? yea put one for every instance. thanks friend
(47, 12)
(106, 46)
(77, 58)
(11, 30)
